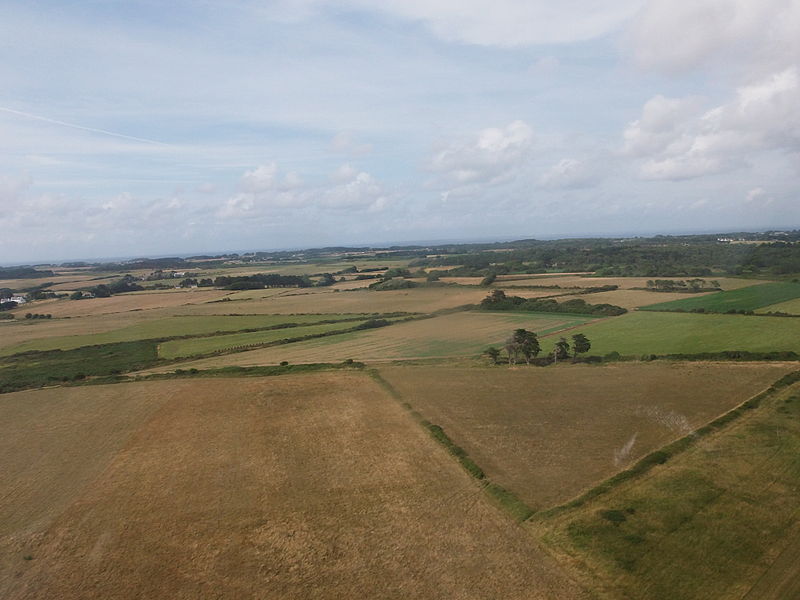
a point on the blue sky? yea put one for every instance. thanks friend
(133, 128)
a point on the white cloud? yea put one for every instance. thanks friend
(567, 173)
(511, 22)
(345, 142)
(757, 34)
(493, 154)
(677, 141)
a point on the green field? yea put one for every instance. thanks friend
(206, 345)
(641, 333)
(791, 307)
(717, 521)
(748, 298)
(170, 327)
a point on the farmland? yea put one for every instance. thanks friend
(315, 486)
(640, 333)
(791, 307)
(547, 434)
(459, 334)
(169, 327)
(742, 299)
(717, 521)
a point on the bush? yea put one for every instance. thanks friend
(284, 363)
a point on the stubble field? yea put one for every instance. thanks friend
(549, 433)
(318, 486)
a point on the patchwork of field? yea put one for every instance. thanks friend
(549, 433)
(122, 303)
(458, 334)
(749, 298)
(629, 299)
(318, 486)
(169, 327)
(625, 283)
(206, 345)
(719, 520)
(640, 333)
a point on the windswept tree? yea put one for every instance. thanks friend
(493, 353)
(580, 344)
(561, 350)
(522, 342)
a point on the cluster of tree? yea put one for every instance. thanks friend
(23, 273)
(7, 305)
(393, 284)
(37, 316)
(262, 280)
(525, 344)
(498, 300)
(679, 285)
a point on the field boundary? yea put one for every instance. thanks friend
(507, 500)
(671, 450)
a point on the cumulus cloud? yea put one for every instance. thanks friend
(568, 173)
(676, 141)
(490, 156)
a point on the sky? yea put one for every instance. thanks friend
(138, 127)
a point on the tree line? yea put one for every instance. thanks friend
(525, 345)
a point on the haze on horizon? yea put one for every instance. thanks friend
(128, 130)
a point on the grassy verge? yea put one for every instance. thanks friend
(505, 499)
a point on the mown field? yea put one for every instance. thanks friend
(719, 520)
(205, 345)
(317, 486)
(458, 334)
(726, 283)
(640, 333)
(548, 433)
(629, 299)
(168, 327)
(748, 298)
(791, 307)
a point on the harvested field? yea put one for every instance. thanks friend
(549, 433)
(121, 303)
(423, 300)
(748, 298)
(168, 327)
(459, 334)
(640, 333)
(719, 520)
(317, 486)
(791, 307)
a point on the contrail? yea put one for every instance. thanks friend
(81, 127)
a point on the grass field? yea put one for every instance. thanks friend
(640, 333)
(167, 327)
(458, 334)
(629, 299)
(719, 520)
(317, 486)
(748, 298)
(624, 283)
(205, 345)
(548, 433)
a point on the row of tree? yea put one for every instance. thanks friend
(524, 345)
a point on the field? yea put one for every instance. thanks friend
(166, 327)
(639, 333)
(547, 434)
(791, 307)
(459, 334)
(629, 299)
(318, 486)
(624, 283)
(205, 345)
(749, 298)
(716, 521)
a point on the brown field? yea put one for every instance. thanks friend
(318, 486)
(549, 433)
(121, 303)
(458, 334)
(322, 300)
(727, 283)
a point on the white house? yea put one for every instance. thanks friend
(17, 299)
